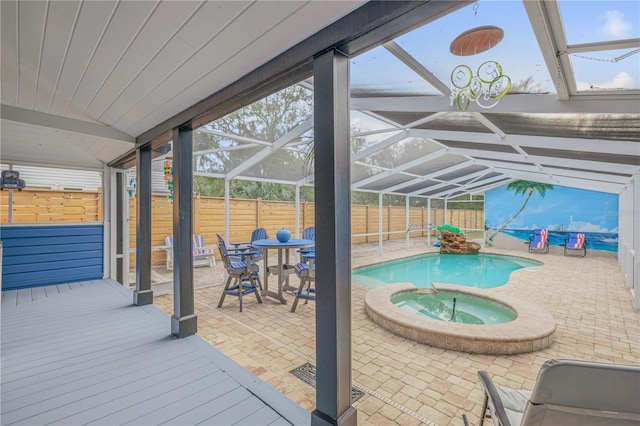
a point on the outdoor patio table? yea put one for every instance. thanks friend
(283, 268)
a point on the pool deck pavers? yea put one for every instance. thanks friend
(409, 383)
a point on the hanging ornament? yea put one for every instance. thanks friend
(131, 187)
(168, 177)
(486, 88)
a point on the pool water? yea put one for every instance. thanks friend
(469, 309)
(480, 271)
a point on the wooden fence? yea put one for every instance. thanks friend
(48, 206)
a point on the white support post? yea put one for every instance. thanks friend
(226, 209)
(126, 218)
(429, 221)
(297, 210)
(380, 224)
(445, 210)
(108, 212)
(632, 210)
(407, 219)
(484, 214)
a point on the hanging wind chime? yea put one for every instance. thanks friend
(168, 177)
(489, 84)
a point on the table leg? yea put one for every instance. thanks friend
(266, 291)
(265, 271)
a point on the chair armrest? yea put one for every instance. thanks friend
(491, 392)
(242, 254)
(246, 244)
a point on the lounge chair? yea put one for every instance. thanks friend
(576, 242)
(201, 252)
(242, 271)
(568, 392)
(540, 241)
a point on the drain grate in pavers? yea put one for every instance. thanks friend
(307, 373)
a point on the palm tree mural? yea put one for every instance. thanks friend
(521, 187)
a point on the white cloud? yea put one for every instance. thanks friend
(586, 227)
(614, 25)
(621, 81)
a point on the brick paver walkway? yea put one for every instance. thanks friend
(409, 383)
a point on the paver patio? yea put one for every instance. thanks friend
(409, 383)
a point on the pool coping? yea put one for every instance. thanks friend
(532, 330)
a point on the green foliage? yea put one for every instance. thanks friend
(208, 187)
(521, 187)
(265, 120)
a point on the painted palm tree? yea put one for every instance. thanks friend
(521, 187)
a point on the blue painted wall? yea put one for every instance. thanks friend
(562, 210)
(46, 255)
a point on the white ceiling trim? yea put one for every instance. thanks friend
(43, 119)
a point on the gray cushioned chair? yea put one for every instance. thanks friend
(568, 392)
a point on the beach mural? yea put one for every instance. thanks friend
(519, 208)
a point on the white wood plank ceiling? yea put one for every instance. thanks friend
(129, 65)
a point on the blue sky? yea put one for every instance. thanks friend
(518, 53)
(573, 209)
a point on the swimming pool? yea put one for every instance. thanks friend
(480, 271)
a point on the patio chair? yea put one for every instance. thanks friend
(568, 392)
(309, 233)
(576, 242)
(242, 271)
(540, 241)
(200, 251)
(306, 290)
(257, 234)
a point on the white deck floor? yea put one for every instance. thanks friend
(81, 353)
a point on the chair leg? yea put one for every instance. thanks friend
(483, 413)
(226, 287)
(308, 287)
(257, 292)
(295, 301)
(240, 291)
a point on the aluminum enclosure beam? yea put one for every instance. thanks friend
(532, 104)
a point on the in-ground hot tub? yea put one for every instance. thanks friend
(454, 306)
(531, 330)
